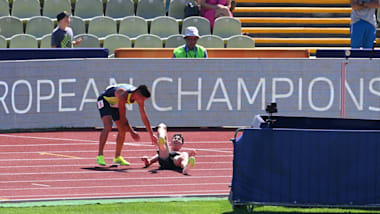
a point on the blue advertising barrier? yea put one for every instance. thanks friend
(318, 167)
(51, 53)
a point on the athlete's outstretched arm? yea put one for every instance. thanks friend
(146, 122)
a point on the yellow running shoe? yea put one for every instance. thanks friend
(161, 143)
(100, 160)
(120, 160)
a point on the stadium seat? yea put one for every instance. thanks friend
(4, 8)
(3, 42)
(118, 9)
(149, 9)
(174, 41)
(39, 26)
(164, 26)
(78, 25)
(199, 22)
(240, 41)
(88, 41)
(115, 41)
(53, 7)
(25, 9)
(211, 41)
(10, 25)
(177, 8)
(45, 41)
(102, 26)
(23, 41)
(226, 27)
(148, 41)
(133, 26)
(87, 9)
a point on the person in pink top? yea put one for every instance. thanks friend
(212, 9)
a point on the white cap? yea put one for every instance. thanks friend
(191, 31)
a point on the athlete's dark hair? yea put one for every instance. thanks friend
(179, 135)
(143, 90)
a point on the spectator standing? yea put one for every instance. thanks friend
(190, 49)
(212, 9)
(363, 23)
(62, 36)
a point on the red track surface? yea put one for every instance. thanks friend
(61, 165)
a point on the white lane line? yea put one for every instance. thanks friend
(110, 151)
(126, 194)
(42, 185)
(92, 164)
(119, 186)
(59, 155)
(89, 158)
(97, 172)
(96, 141)
(119, 179)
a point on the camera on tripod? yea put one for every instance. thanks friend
(271, 108)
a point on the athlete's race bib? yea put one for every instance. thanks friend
(100, 104)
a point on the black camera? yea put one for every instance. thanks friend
(271, 108)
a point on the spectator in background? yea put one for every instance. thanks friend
(363, 23)
(62, 36)
(212, 9)
(190, 49)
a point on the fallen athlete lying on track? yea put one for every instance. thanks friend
(169, 155)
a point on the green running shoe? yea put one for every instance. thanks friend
(100, 160)
(190, 164)
(120, 160)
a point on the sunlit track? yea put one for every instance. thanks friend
(98, 172)
(115, 179)
(116, 185)
(122, 195)
(92, 141)
(91, 158)
(111, 151)
(87, 165)
(59, 166)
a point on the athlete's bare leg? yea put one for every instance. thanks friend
(182, 161)
(107, 122)
(120, 138)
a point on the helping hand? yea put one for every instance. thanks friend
(135, 136)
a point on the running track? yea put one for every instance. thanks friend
(61, 165)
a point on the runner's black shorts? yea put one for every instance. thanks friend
(105, 109)
(168, 163)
